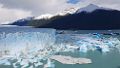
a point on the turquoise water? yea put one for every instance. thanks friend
(99, 60)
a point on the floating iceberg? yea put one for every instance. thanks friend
(83, 48)
(49, 64)
(5, 62)
(70, 60)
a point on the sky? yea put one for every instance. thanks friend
(11, 10)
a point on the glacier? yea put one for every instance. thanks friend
(87, 42)
(25, 47)
(30, 48)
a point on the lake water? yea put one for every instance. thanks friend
(20, 38)
(109, 60)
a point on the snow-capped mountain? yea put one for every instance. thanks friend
(62, 13)
(22, 22)
(44, 16)
(89, 17)
(47, 16)
(71, 10)
(90, 8)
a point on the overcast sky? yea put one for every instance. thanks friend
(11, 10)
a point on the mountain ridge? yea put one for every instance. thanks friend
(91, 8)
(98, 18)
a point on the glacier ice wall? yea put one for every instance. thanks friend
(13, 43)
(87, 42)
(25, 46)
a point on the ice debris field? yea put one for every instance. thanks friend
(29, 49)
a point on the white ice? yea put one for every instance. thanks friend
(32, 47)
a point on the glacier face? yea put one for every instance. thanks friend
(13, 42)
(25, 47)
(32, 47)
(86, 42)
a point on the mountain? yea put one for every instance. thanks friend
(91, 8)
(44, 16)
(41, 18)
(91, 17)
(98, 19)
(22, 22)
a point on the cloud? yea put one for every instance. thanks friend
(14, 9)
(23, 8)
(9, 15)
(39, 6)
(114, 4)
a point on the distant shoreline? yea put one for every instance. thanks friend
(26, 28)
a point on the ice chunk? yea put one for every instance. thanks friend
(105, 49)
(24, 62)
(5, 62)
(83, 48)
(49, 64)
(31, 66)
(38, 64)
